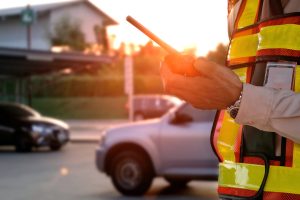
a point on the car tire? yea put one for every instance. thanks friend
(177, 182)
(138, 117)
(55, 145)
(131, 174)
(23, 143)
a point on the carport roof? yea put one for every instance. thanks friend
(44, 8)
(23, 62)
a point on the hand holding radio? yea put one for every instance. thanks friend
(181, 64)
(214, 87)
(204, 84)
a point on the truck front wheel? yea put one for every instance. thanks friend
(131, 173)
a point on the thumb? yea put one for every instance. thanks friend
(205, 67)
(181, 64)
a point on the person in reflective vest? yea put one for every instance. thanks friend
(256, 134)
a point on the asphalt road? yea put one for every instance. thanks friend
(70, 174)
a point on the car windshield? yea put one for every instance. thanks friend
(18, 111)
(176, 100)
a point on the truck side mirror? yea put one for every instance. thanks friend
(181, 118)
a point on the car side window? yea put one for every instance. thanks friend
(157, 102)
(197, 114)
(166, 104)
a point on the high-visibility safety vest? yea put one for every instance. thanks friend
(258, 173)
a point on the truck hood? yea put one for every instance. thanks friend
(135, 128)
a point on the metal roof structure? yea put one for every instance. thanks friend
(23, 62)
(44, 8)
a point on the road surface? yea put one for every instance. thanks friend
(70, 174)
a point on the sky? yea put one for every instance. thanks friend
(181, 23)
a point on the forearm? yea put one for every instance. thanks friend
(271, 110)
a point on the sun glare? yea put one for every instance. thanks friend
(181, 23)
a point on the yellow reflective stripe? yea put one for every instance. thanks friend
(238, 175)
(242, 73)
(280, 36)
(229, 130)
(249, 176)
(244, 46)
(297, 79)
(296, 155)
(227, 137)
(248, 16)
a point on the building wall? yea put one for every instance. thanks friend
(82, 13)
(14, 34)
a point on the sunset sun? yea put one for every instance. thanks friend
(182, 24)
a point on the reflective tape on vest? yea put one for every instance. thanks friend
(243, 49)
(267, 39)
(249, 14)
(296, 156)
(249, 176)
(279, 37)
(229, 131)
(227, 138)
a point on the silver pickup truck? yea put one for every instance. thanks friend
(175, 146)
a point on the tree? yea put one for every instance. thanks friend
(219, 54)
(68, 32)
(101, 37)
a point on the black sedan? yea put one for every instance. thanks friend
(25, 128)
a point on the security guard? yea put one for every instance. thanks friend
(260, 155)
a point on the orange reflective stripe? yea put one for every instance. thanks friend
(244, 32)
(280, 21)
(239, 61)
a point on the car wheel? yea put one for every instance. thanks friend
(131, 174)
(55, 145)
(178, 182)
(23, 143)
(138, 117)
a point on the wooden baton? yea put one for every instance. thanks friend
(151, 35)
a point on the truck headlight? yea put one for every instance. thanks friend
(102, 138)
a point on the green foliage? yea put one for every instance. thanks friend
(148, 84)
(68, 32)
(219, 54)
(101, 37)
(147, 61)
(82, 108)
(81, 87)
(106, 85)
(147, 65)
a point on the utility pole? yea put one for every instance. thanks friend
(128, 69)
(27, 18)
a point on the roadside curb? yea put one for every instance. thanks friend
(83, 141)
(89, 131)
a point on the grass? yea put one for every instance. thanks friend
(82, 108)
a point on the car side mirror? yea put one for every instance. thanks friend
(181, 118)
